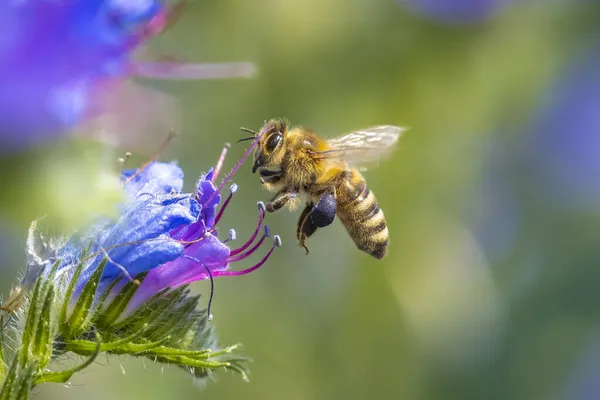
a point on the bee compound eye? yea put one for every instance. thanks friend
(273, 141)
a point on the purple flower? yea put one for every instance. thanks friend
(169, 236)
(457, 11)
(57, 57)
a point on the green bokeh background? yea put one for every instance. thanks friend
(438, 318)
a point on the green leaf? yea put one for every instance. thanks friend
(52, 274)
(85, 346)
(170, 351)
(177, 321)
(19, 380)
(64, 324)
(191, 362)
(42, 344)
(64, 376)
(151, 310)
(31, 322)
(8, 386)
(25, 381)
(111, 314)
(79, 321)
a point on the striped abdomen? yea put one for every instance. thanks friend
(358, 210)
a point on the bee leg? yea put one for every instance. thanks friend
(316, 216)
(323, 213)
(280, 200)
(305, 226)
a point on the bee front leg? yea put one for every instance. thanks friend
(316, 216)
(280, 200)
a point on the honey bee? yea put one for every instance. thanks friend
(295, 161)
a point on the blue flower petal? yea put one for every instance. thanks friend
(140, 240)
(205, 191)
(156, 178)
(144, 220)
(209, 253)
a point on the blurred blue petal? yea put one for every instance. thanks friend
(60, 61)
(54, 55)
(158, 178)
(456, 11)
(584, 383)
(565, 148)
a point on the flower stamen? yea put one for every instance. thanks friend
(212, 292)
(123, 160)
(253, 249)
(163, 146)
(232, 236)
(232, 189)
(220, 162)
(233, 170)
(262, 209)
(212, 284)
(276, 243)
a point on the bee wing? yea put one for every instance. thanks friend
(364, 146)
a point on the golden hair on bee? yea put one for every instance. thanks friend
(295, 160)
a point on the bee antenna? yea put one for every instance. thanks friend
(249, 131)
(248, 138)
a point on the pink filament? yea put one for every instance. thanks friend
(247, 270)
(192, 71)
(234, 169)
(254, 235)
(222, 210)
(220, 161)
(249, 252)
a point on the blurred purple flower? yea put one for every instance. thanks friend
(457, 11)
(564, 152)
(57, 56)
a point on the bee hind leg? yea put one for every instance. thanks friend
(315, 216)
(305, 226)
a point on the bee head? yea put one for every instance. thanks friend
(269, 151)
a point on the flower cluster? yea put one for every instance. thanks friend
(167, 234)
(58, 57)
(121, 286)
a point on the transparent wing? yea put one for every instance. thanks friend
(364, 146)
